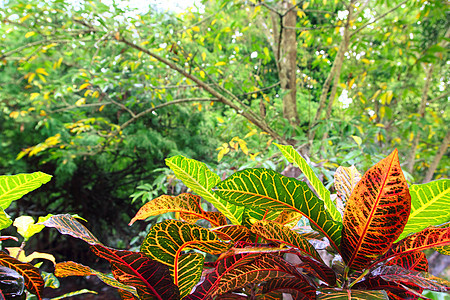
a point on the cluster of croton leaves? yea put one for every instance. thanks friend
(270, 235)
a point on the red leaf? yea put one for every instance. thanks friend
(291, 285)
(425, 239)
(416, 261)
(149, 277)
(376, 213)
(33, 280)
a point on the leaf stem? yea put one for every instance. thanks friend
(359, 278)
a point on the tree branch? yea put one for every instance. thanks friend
(376, 19)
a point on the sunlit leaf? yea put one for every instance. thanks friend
(70, 268)
(33, 280)
(275, 232)
(427, 238)
(18, 253)
(26, 226)
(232, 233)
(186, 204)
(267, 189)
(294, 157)
(151, 279)
(5, 221)
(75, 293)
(66, 224)
(196, 176)
(395, 277)
(429, 206)
(376, 213)
(13, 187)
(345, 180)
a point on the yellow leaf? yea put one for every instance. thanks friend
(253, 156)
(301, 14)
(17, 251)
(411, 136)
(380, 125)
(41, 71)
(365, 60)
(204, 56)
(42, 113)
(236, 49)
(220, 120)
(196, 28)
(202, 74)
(80, 101)
(400, 51)
(222, 153)
(199, 107)
(213, 22)
(330, 142)
(243, 146)
(351, 83)
(329, 40)
(220, 63)
(140, 54)
(42, 78)
(87, 93)
(95, 94)
(101, 108)
(357, 139)
(29, 34)
(14, 114)
(24, 18)
(254, 131)
(34, 95)
(305, 5)
(343, 85)
(31, 77)
(84, 85)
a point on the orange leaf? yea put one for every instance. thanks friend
(376, 213)
(33, 280)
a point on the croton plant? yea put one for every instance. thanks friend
(271, 235)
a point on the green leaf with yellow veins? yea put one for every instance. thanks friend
(196, 176)
(13, 187)
(267, 189)
(294, 157)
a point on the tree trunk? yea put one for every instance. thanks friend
(423, 104)
(437, 158)
(288, 64)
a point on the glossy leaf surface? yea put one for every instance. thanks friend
(429, 206)
(196, 176)
(291, 285)
(267, 189)
(189, 271)
(166, 242)
(427, 238)
(339, 294)
(345, 180)
(265, 268)
(70, 268)
(187, 205)
(13, 187)
(376, 213)
(232, 233)
(394, 276)
(33, 280)
(275, 232)
(150, 278)
(66, 224)
(295, 157)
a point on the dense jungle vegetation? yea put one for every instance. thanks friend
(99, 95)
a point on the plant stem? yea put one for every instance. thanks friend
(359, 278)
(20, 249)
